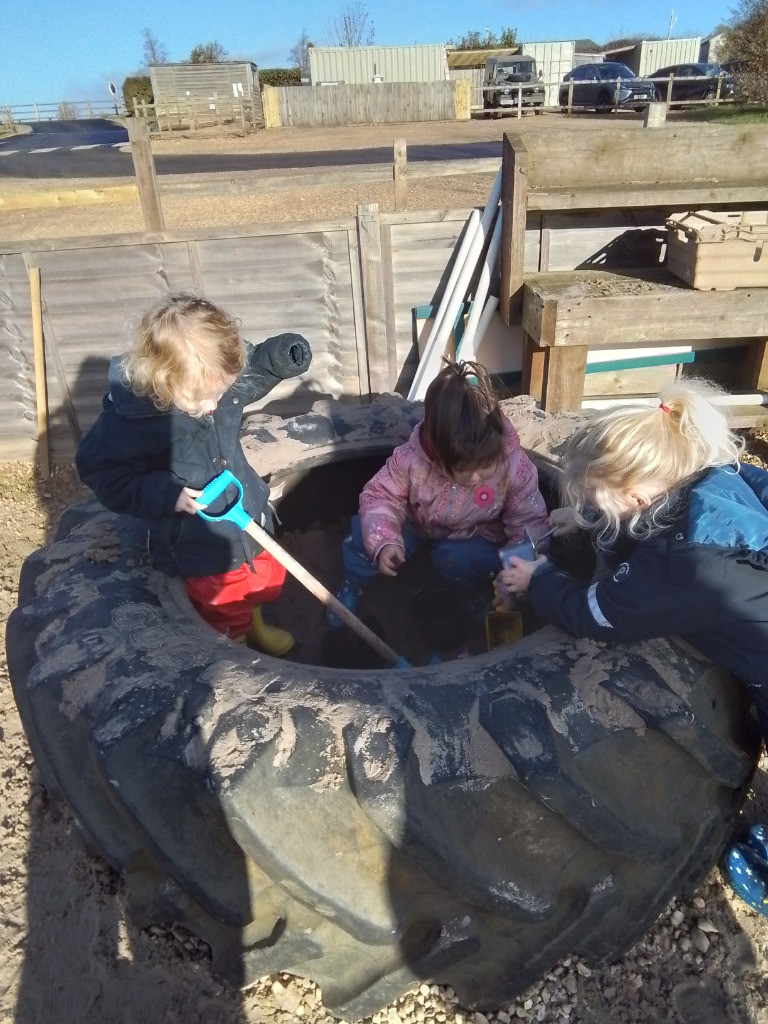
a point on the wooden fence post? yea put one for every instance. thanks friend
(400, 171)
(271, 107)
(462, 99)
(146, 179)
(514, 209)
(41, 390)
(382, 367)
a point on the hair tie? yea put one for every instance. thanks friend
(664, 408)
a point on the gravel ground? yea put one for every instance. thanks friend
(70, 953)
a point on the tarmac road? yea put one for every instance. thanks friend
(93, 148)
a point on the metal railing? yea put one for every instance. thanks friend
(663, 93)
(64, 110)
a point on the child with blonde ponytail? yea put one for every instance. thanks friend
(664, 487)
(682, 526)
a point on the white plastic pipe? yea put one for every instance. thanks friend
(754, 398)
(473, 222)
(469, 252)
(468, 345)
(430, 361)
(482, 326)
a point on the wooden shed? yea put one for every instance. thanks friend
(212, 93)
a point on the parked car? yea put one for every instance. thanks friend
(505, 77)
(693, 82)
(607, 86)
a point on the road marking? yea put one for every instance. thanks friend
(56, 149)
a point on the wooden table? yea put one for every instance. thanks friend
(565, 313)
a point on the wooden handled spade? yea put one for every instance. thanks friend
(236, 514)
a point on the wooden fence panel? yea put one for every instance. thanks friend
(381, 103)
(91, 304)
(298, 282)
(17, 373)
(286, 280)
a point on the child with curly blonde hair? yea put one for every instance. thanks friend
(171, 423)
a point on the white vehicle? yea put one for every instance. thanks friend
(509, 79)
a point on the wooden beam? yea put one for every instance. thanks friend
(514, 205)
(400, 173)
(599, 308)
(41, 392)
(534, 368)
(144, 168)
(68, 197)
(669, 196)
(564, 389)
(757, 368)
(371, 270)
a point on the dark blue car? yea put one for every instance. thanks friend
(605, 87)
(693, 82)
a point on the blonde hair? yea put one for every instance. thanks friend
(186, 345)
(682, 436)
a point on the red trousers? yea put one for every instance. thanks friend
(226, 600)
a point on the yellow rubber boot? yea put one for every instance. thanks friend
(268, 639)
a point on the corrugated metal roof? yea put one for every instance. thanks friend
(186, 64)
(476, 58)
(357, 65)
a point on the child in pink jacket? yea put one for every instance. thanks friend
(461, 483)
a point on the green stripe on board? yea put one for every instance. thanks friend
(709, 355)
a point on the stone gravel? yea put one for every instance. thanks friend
(72, 954)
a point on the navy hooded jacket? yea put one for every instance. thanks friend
(701, 576)
(137, 458)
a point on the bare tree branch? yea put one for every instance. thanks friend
(353, 27)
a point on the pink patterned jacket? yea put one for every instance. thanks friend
(411, 486)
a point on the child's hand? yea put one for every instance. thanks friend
(391, 557)
(516, 579)
(186, 501)
(502, 602)
(564, 519)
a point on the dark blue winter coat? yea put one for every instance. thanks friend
(137, 458)
(701, 576)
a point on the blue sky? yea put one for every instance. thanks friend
(71, 50)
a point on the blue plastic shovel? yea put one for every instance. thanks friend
(236, 514)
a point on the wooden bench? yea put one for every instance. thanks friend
(628, 172)
(566, 313)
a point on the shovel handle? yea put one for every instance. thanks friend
(314, 586)
(237, 514)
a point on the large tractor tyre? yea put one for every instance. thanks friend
(469, 823)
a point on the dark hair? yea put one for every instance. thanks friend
(462, 419)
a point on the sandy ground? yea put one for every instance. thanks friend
(70, 953)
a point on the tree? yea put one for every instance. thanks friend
(625, 41)
(208, 53)
(353, 27)
(299, 55)
(506, 40)
(152, 49)
(746, 43)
